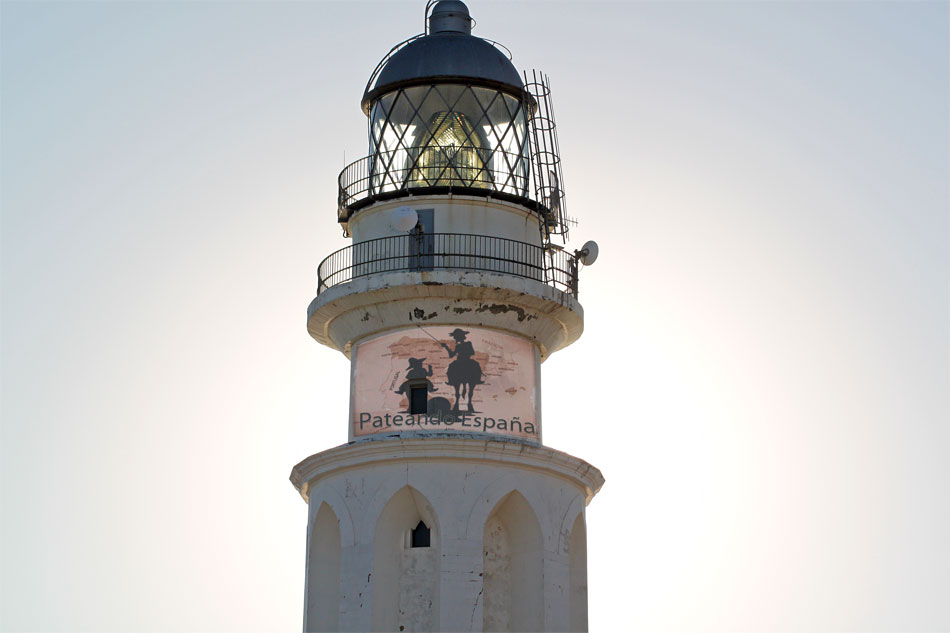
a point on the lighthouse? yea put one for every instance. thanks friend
(444, 510)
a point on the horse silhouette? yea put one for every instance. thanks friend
(464, 373)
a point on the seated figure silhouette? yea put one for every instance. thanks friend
(416, 376)
(464, 373)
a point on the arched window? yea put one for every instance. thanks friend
(420, 535)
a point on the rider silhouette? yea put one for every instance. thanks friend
(464, 372)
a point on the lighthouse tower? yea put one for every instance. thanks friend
(445, 511)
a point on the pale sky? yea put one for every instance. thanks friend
(764, 375)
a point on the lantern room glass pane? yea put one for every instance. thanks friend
(454, 153)
(448, 135)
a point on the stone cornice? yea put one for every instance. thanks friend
(351, 311)
(428, 449)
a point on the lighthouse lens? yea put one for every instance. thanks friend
(448, 135)
(455, 154)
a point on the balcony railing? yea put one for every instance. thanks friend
(449, 251)
(394, 173)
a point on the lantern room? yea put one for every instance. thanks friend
(448, 112)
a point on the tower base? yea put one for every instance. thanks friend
(446, 534)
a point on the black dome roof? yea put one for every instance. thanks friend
(445, 55)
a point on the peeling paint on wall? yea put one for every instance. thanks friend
(501, 308)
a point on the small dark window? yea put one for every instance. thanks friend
(418, 400)
(420, 535)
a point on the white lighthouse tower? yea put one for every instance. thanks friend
(444, 511)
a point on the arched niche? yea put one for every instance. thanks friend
(324, 492)
(323, 573)
(512, 577)
(405, 577)
(577, 551)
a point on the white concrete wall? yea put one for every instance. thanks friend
(496, 576)
(387, 586)
(472, 215)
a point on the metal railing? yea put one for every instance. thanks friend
(396, 171)
(449, 251)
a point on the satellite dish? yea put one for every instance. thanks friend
(588, 254)
(404, 219)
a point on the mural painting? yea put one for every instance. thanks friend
(445, 379)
